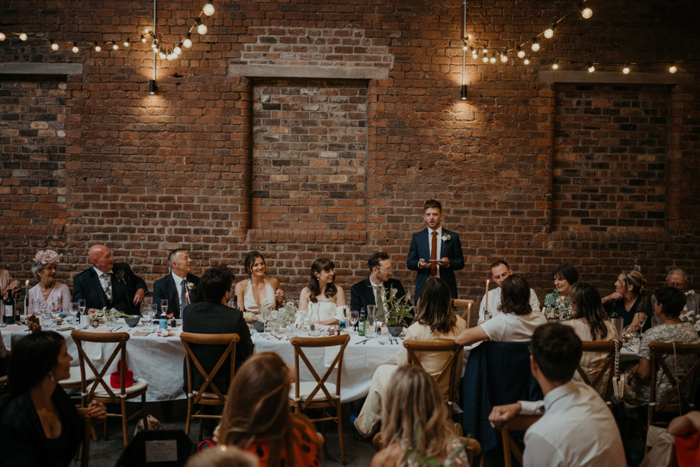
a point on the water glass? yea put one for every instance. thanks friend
(82, 305)
(74, 310)
(354, 318)
(371, 320)
(382, 337)
(164, 307)
(642, 317)
(47, 320)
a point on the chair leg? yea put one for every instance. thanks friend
(124, 423)
(507, 458)
(189, 416)
(339, 414)
(104, 435)
(144, 414)
(201, 423)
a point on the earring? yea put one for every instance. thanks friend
(52, 377)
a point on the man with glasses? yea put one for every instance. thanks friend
(369, 291)
(679, 279)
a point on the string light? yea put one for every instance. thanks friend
(626, 70)
(187, 42)
(493, 58)
(75, 48)
(555, 66)
(2, 37)
(521, 52)
(585, 11)
(485, 51)
(54, 45)
(201, 27)
(549, 32)
(526, 61)
(115, 47)
(672, 69)
(97, 47)
(126, 43)
(161, 55)
(177, 50)
(504, 57)
(143, 38)
(485, 59)
(208, 9)
(535, 45)
(23, 37)
(591, 68)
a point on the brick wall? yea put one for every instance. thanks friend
(149, 173)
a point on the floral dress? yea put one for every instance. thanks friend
(556, 304)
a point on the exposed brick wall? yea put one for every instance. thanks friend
(145, 174)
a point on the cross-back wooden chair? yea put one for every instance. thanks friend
(519, 423)
(99, 389)
(468, 312)
(319, 393)
(676, 402)
(208, 393)
(450, 371)
(606, 373)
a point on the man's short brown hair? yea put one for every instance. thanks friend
(432, 203)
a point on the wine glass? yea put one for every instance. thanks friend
(163, 307)
(148, 317)
(642, 317)
(74, 310)
(354, 318)
(82, 305)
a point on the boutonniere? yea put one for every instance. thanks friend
(446, 238)
(190, 286)
(690, 293)
(119, 277)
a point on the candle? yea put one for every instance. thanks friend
(486, 299)
(26, 297)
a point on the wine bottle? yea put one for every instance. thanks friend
(363, 323)
(9, 312)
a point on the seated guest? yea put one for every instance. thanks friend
(415, 422)
(679, 279)
(223, 456)
(7, 284)
(590, 323)
(668, 305)
(322, 297)
(369, 291)
(179, 287)
(258, 420)
(629, 300)
(557, 305)
(516, 321)
(212, 316)
(678, 445)
(39, 424)
(48, 294)
(434, 321)
(577, 427)
(499, 271)
(109, 284)
(258, 291)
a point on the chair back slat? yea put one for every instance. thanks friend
(607, 368)
(468, 311)
(448, 370)
(658, 352)
(518, 423)
(189, 338)
(299, 344)
(120, 338)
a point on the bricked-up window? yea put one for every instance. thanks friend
(32, 155)
(309, 154)
(610, 157)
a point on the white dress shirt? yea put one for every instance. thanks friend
(576, 429)
(495, 301)
(178, 284)
(509, 327)
(439, 245)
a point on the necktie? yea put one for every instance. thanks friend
(380, 304)
(107, 285)
(183, 297)
(433, 254)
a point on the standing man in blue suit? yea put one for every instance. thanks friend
(435, 251)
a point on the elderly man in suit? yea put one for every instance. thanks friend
(435, 251)
(109, 284)
(369, 291)
(179, 287)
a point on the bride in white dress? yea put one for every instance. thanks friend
(257, 291)
(322, 293)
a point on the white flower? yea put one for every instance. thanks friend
(190, 286)
(446, 237)
(690, 292)
(697, 326)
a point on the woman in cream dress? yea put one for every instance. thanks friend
(322, 300)
(257, 291)
(434, 320)
(48, 294)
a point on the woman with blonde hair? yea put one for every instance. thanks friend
(415, 423)
(258, 420)
(629, 301)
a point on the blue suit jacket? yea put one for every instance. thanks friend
(420, 248)
(166, 288)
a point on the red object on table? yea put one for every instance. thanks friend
(115, 378)
(688, 450)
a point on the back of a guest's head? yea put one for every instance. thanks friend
(257, 403)
(414, 411)
(33, 358)
(589, 306)
(215, 283)
(222, 456)
(515, 296)
(566, 271)
(435, 306)
(635, 279)
(672, 300)
(557, 351)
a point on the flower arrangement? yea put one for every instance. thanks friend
(693, 318)
(282, 317)
(47, 257)
(396, 310)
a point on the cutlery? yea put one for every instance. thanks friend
(364, 341)
(276, 337)
(361, 342)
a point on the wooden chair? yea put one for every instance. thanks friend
(100, 389)
(519, 423)
(204, 395)
(607, 370)
(469, 314)
(473, 447)
(85, 447)
(319, 393)
(675, 402)
(451, 370)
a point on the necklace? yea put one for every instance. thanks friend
(46, 292)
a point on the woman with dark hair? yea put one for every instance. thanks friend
(48, 294)
(39, 424)
(415, 423)
(322, 297)
(629, 300)
(258, 290)
(590, 323)
(258, 420)
(557, 305)
(516, 322)
(434, 321)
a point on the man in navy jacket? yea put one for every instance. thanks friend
(366, 291)
(435, 251)
(180, 287)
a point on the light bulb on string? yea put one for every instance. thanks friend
(555, 66)
(54, 45)
(23, 37)
(202, 29)
(521, 52)
(177, 50)
(535, 45)
(97, 47)
(504, 57)
(549, 32)
(464, 47)
(187, 42)
(75, 48)
(672, 69)
(591, 68)
(469, 37)
(474, 54)
(626, 70)
(485, 51)
(526, 61)
(493, 58)
(115, 46)
(2, 37)
(154, 44)
(208, 9)
(143, 38)
(126, 44)
(585, 11)
(485, 59)
(161, 55)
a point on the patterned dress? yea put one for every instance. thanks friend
(555, 303)
(306, 451)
